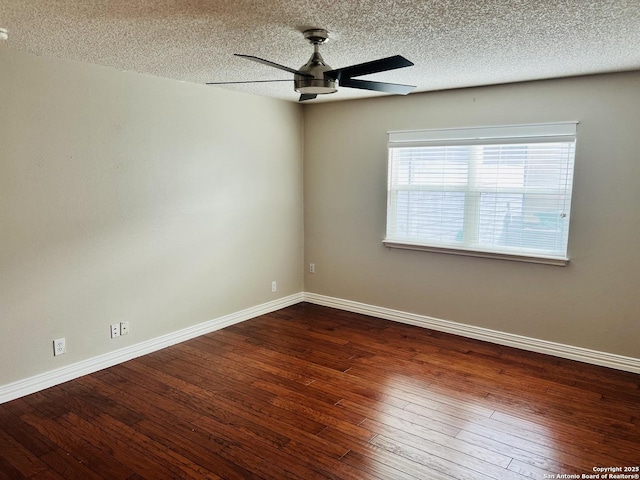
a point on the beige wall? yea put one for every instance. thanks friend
(125, 196)
(593, 303)
(130, 197)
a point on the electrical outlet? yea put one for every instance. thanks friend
(312, 268)
(115, 330)
(274, 286)
(124, 328)
(59, 347)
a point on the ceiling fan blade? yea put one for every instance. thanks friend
(396, 88)
(307, 96)
(375, 66)
(273, 64)
(248, 81)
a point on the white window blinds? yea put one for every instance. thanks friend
(502, 191)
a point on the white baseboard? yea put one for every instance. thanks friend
(55, 377)
(44, 380)
(580, 354)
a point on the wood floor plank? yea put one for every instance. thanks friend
(428, 460)
(403, 419)
(304, 467)
(511, 428)
(191, 451)
(17, 458)
(68, 467)
(313, 393)
(544, 457)
(24, 434)
(365, 455)
(79, 449)
(133, 442)
(236, 455)
(8, 471)
(372, 468)
(155, 408)
(206, 403)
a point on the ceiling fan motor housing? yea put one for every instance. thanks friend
(316, 66)
(318, 84)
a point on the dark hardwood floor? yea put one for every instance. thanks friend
(310, 392)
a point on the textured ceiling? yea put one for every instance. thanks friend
(453, 43)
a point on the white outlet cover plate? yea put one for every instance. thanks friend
(59, 347)
(115, 330)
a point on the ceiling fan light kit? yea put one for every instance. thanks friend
(317, 78)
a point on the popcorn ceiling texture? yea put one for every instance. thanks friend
(454, 43)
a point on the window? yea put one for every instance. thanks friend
(485, 191)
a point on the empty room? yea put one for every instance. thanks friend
(319, 240)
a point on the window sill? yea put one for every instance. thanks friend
(558, 262)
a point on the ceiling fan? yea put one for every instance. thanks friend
(317, 78)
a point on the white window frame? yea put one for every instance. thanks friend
(477, 137)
